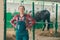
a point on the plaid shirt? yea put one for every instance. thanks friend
(29, 20)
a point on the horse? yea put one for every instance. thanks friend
(43, 15)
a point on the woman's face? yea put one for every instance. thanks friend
(21, 9)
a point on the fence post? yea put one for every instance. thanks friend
(56, 23)
(4, 19)
(43, 4)
(33, 17)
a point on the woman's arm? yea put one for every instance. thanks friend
(31, 21)
(13, 20)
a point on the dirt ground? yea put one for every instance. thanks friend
(39, 35)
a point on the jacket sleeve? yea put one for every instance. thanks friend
(31, 21)
(13, 20)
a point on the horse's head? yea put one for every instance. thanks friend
(37, 16)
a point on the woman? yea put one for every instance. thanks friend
(23, 23)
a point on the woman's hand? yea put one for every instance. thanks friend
(28, 28)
